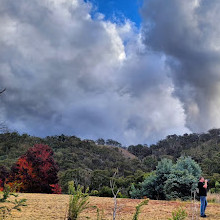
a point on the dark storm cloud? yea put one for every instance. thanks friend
(188, 33)
(67, 73)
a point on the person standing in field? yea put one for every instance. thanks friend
(202, 186)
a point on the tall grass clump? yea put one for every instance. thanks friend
(78, 200)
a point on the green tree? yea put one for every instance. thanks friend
(169, 180)
(187, 163)
(153, 185)
(179, 184)
(182, 179)
(100, 141)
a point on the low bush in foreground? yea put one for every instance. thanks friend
(178, 214)
(6, 205)
(78, 201)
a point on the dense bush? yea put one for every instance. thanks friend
(170, 181)
(216, 189)
(179, 214)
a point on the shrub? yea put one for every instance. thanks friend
(216, 189)
(94, 193)
(105, 192)
(78, 200)
(179, 214)
(10, 205)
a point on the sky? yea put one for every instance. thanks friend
(120, 10)
(132, 71)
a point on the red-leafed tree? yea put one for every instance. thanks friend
(35, 171)
(56, 189)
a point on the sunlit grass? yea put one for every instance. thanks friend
(213, 197)
(48, 207)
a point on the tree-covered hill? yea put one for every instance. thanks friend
(85, 161)
(92, 163)
(203, 148)
(70, 152)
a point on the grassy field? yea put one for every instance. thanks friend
(47, 207)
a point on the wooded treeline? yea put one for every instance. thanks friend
(92, 163)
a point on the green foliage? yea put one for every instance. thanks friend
(5, 210)
(139, 150)
(83, 161)
(179, 185)
(100, 178)
(78, 200)
(135, 193)
(186, 163)
(91, 163)
(213, 178)
(138, 209)
(153, 186)
(105, 192)
(179, 214)
(182, 179)
(79, 176)
(169, 181)
(216, 189)
(94, 193)
(150, 162)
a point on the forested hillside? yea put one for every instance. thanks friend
(83, 161)
(92, 163)
(203, 148)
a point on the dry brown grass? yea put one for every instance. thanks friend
(213, 197)
(124, 152)
(47, 207)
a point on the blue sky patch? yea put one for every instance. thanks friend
(119, 10)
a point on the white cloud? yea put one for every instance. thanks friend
(68, 73)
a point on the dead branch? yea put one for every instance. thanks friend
(2, 91)
(112, 185)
